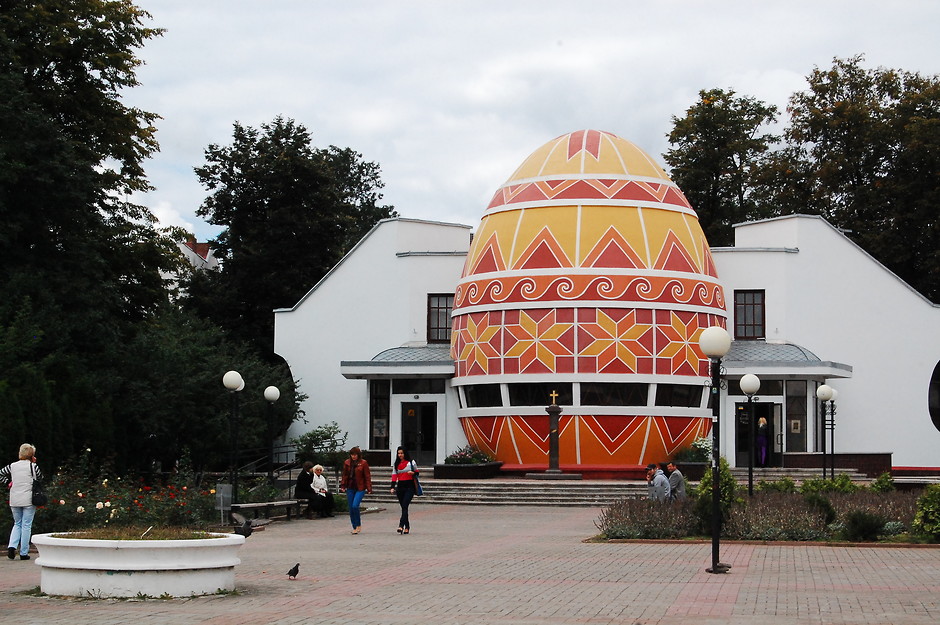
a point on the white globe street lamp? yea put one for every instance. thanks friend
(271, 394)
(232, 380)
(715, 343)
(750, 384)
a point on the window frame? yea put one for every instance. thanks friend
(756, 328)
(434, 310)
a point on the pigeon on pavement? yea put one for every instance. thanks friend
(245, 529)
(292, 573)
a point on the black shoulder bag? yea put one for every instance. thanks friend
(39, 495)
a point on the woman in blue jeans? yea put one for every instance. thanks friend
(356, 482)
(20, 475)
(403, 485)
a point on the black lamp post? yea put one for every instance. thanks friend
(553, 413)
(271, 394)
(824, 394)
(750, 384)
(233, 381)
(715, 343)
(832, 433)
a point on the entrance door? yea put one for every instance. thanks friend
(419, 431)
(743, 435)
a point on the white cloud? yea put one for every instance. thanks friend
(449, 97)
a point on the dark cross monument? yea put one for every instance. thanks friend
(553, 412)
(553, 472)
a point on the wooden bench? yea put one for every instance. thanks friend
(290, 505)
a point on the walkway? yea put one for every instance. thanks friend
(518, 566)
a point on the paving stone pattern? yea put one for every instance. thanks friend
(520, 566)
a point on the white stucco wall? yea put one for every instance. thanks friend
(826, 294)
(374, 299)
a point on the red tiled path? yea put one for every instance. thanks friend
(518, 566)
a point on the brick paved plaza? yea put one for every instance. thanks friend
(520, 566)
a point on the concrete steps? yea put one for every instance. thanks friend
(511, 491)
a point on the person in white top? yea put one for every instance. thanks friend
(20, 475)
(323, 501)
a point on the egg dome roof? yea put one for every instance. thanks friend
(588, 152)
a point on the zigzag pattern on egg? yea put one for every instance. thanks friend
(588, 263)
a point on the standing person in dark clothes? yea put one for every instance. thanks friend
(403, 485)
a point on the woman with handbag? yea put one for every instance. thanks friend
(21, 475)
(404, 474)
(356, 482)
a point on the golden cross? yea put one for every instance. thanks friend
(554, 396)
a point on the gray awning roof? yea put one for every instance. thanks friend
(758, 357)
(423, 361)
(780, 359)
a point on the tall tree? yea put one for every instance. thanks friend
(80, 264)
(179, 401)
(290, 211)
(863, 150)
(718, 149)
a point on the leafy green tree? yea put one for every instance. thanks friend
(863, 150)
(290, 212)
(81, 265)
(718, 150)
(178, 401)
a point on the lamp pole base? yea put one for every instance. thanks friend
(721, 567)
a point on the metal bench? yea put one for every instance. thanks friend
(290, 505)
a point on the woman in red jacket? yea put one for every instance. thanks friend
(356, 482)
(403, 485)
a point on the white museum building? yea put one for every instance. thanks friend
(370, 346)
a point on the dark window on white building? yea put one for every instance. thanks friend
(440, 305)
(749, 315)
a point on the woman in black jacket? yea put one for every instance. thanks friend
(303, 490)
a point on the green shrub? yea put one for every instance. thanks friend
(899, 506)
(775, 516)
(642, 518)
(85, 493)
(842, 483)
(727, 493)
(257, 490)
(883, 483)
(893, 528)
(699, 451)
(821, 505)
(468, 454)
(863, 526)
(783, 485)
(325, 444)
(340, 503)
(927, 518)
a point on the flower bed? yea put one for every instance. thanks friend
(82, 567)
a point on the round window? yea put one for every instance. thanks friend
(933, 396)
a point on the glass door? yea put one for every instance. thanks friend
(419, 431)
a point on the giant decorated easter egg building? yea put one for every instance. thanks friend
(587, 284)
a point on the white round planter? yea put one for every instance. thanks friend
(129, 568)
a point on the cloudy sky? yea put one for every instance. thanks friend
(448, 97)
